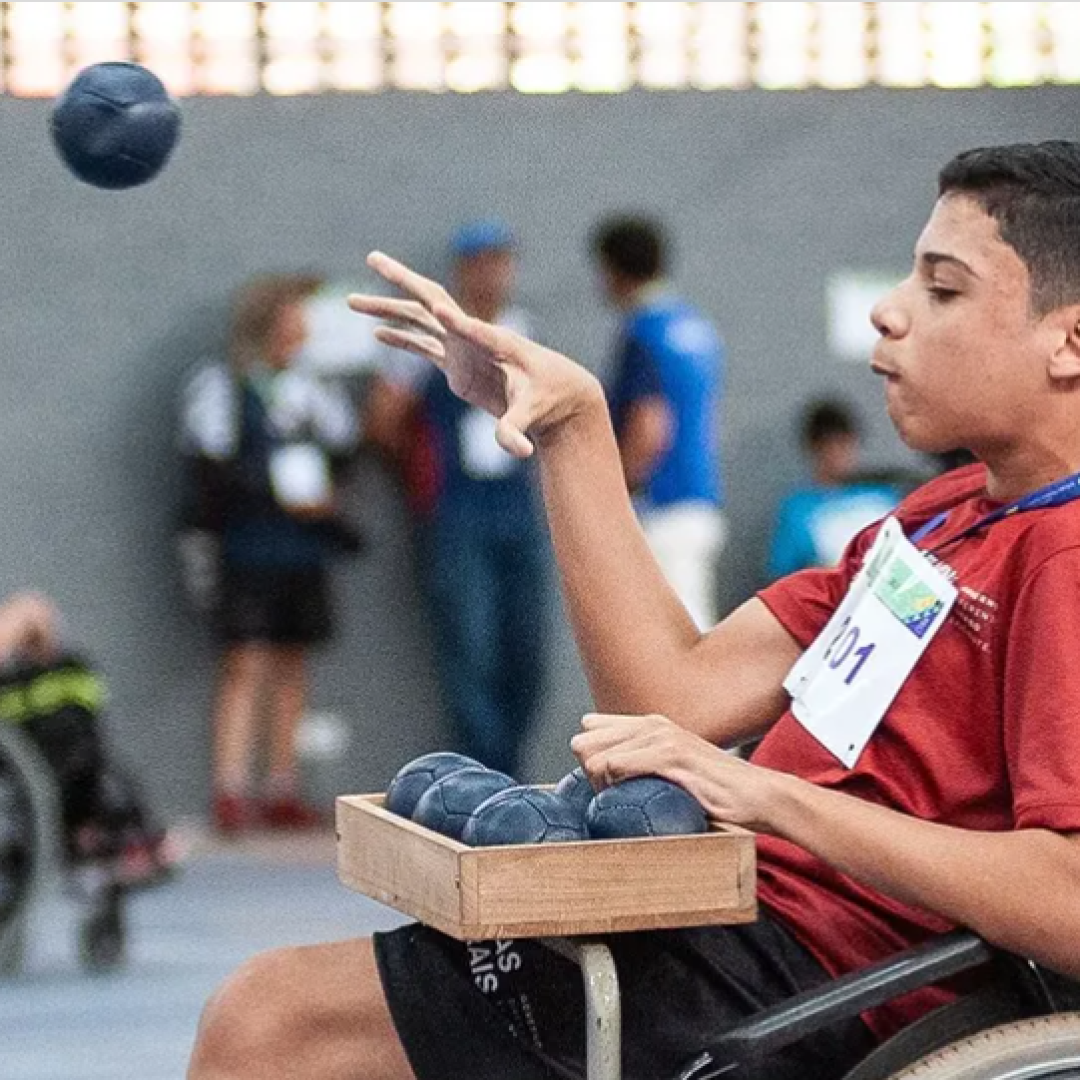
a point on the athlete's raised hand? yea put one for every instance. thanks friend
(528, 388)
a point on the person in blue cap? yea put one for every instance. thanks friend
(480, 538)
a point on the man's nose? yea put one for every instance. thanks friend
(887, 316)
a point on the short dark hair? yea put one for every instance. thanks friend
(1032, 191)
(828, 418)
(633, 246)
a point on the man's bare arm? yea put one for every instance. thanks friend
(1019, 890)
(641, 650)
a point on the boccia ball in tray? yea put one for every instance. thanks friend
(412, 780)
(525, 815)
(645, 806)
(447, 806)
(576, 790)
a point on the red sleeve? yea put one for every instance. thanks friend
(804, 602)
(1042, 696)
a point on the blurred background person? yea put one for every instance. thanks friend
(266, 445)
(665, 392)
(480, 539)
(816, 519)
(51, 694)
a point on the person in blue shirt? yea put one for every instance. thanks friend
(816, 520)
(665, 394)
(480, 541)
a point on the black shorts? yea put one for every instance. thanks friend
(516, 1010)
(279, 607)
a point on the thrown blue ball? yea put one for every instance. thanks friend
(524, 815)
(115, 126)
(413, 780)
(448, 804)
(645, 806)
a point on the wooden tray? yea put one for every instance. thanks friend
(545, 890)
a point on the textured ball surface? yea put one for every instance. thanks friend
(645, 806)
(414, 779)
(576, 790)
(524, 815)
(115, 126)
(447, 805)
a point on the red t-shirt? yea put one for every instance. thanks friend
(985, 734)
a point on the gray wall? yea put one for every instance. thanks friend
(107, 298)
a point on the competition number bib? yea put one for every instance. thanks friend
(845, 682)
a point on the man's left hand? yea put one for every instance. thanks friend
(616, 748)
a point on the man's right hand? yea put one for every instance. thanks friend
(532, 391)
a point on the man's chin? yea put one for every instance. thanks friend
(919, 439)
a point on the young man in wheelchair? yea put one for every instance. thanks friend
(920, 763)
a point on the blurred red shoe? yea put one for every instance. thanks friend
(147, 861)
(290, 812)
(232, 814)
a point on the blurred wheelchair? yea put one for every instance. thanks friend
(1020, 1022)
(68, 816)
(35, 863)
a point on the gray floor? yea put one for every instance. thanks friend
(228, 903)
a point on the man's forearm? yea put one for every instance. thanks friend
(1019, 890)
(630, 627)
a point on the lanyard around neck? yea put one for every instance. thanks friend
(1059, 493)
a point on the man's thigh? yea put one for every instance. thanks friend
(316, 1012)
(516, 1010)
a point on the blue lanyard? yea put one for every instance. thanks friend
(1059, 493)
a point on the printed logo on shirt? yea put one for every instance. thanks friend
(975, 613)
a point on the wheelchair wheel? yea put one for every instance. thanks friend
(17, 854)
(1045, 1048)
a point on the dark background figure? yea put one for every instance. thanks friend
(480, 539)
(267, 444)
(665, 393)
(817, 518)
(55, 697)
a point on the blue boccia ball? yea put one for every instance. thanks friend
(524, 815)
(646, 806)
(576, 790)
(448, 804)
(413, 780)
(115, 126)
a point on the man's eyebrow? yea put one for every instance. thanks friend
(939, 258)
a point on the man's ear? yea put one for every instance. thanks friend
(1065, 360)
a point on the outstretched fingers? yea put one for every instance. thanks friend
(422, 345)
(491, 339)
(408, 313)
(430, 293)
